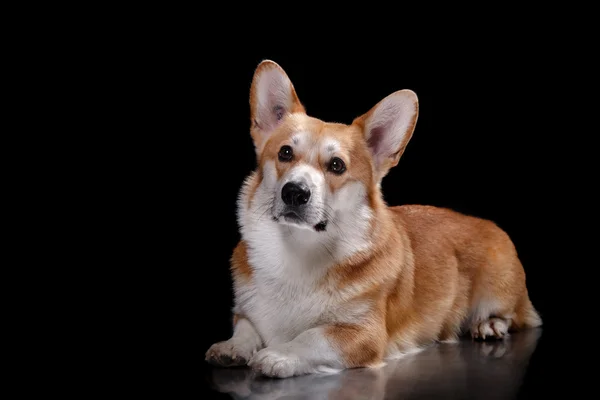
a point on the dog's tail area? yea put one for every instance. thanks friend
(526, 315)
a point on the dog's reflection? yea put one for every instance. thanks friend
(487, 370)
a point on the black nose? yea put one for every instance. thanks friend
(294, 194)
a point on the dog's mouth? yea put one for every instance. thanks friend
(294, 217)
(321, 226)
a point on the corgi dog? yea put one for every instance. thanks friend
(326, 275)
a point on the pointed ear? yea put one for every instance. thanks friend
(388, 127)
(272, 98)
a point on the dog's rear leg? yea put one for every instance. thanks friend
(492, 318)
(497, 325)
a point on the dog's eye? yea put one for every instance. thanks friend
(285, 153)
(337, 166)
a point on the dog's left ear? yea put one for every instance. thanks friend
(272, 98)
(388, 127)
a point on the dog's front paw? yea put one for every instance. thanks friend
(229, 354)
(276, 363)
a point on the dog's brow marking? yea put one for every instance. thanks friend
(330, 146)
(298, 137)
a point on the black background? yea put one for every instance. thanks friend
(485, 143)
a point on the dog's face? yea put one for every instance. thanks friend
(312, 171)
(315, 169)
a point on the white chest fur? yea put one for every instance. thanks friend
(287, 295)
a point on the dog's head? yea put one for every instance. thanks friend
(311, 170)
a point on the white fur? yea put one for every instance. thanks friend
(483, 309)
(286, 299)
(330, 148)
(302, 146)
(309, 352)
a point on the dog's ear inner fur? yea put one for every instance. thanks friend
(272, 98)
(388, 127)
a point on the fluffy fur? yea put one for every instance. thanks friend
(341, 280)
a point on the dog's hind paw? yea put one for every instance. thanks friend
(493, 328)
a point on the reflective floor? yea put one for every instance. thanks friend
(466, 370)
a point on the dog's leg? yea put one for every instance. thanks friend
(239, 349)
(495, 319)
(326, 349)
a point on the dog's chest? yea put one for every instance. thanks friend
(284, 300)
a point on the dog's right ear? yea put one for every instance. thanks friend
(272, 98)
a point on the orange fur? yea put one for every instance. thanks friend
(239, 263)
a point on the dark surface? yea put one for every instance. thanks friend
(465, 370)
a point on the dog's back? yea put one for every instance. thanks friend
(466, 271)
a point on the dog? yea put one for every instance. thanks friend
(326, 275)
